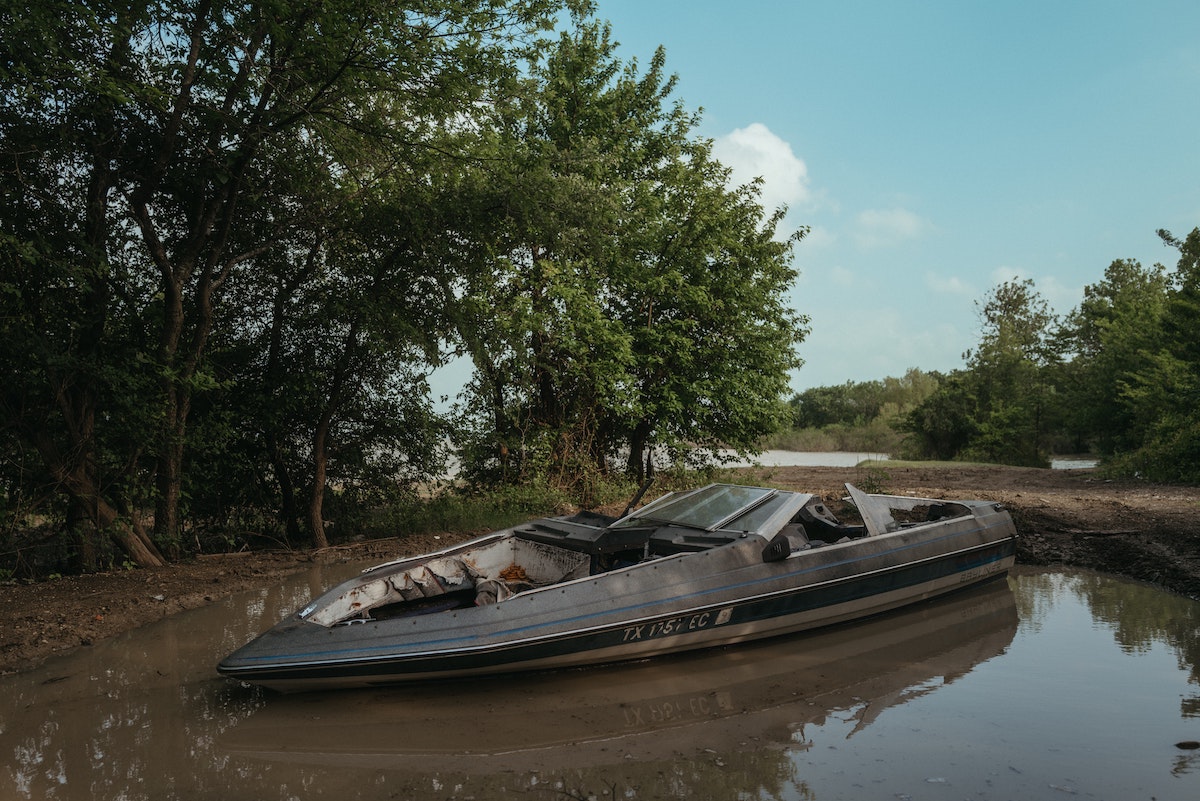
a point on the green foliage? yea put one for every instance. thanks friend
(873, 479)
(1112, 333)
(1163, 392)
(855, 416)
(1003, 407)
(1120, 375)
(216, 266)
(645, 300)
(945, 423)
(1171, 455)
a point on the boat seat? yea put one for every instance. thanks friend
(667, 540)
(586, 533)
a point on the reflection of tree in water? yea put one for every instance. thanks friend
(1186, 763)
(1035, 595)
(1139, 615)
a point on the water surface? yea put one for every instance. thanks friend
(1049, 685)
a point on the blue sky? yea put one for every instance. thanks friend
(939, 148)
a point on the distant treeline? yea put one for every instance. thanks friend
(1118, 377)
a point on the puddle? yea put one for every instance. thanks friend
(1047, 685)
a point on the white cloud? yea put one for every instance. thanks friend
(883, 227)
(840, 276)
(886, 227)
(949, 285)
(754, 152)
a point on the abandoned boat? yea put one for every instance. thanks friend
(708, 567)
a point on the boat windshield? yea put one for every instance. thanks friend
(708, 508)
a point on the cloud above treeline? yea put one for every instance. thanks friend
(755, 152)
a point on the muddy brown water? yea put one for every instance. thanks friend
(1047, 685)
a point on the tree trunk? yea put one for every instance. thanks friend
(80, 527)
(316, 499)
(637, 449)
(289, 508)
(170, 447)
(320, 449)
(79, 483)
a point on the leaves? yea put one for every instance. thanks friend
(192, 184)
(624, 296)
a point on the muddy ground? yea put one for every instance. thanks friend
(1143, 531)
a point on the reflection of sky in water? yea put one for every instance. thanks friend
(1086, 696)
(1065, 711)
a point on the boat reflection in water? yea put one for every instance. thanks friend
(755, 696)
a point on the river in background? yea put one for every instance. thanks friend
(1047, 685)
(776, 458)
(780, 458)
(807, 459)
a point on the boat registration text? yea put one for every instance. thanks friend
(676, 625)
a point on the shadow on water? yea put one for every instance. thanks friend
(144, 716)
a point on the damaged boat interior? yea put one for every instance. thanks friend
(552, 551)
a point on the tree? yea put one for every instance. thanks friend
(1009, 371)
(71, 315)
(1002, 407)
(705, 301)
(150, 154)
(549, 206)
(642, 298)
(945, 423)
(1115, 329)
(1164, 393)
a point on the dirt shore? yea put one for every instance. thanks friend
(1144, 531)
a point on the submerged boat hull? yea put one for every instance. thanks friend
(697, 599)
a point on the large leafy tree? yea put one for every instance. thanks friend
(1111, 335)
(1013, 394)
(549, 207)
(1164, 392)
(149, 156)
(1003, 406)
(641, 299)
(704, 299)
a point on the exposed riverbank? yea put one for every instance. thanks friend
(1143, 531)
